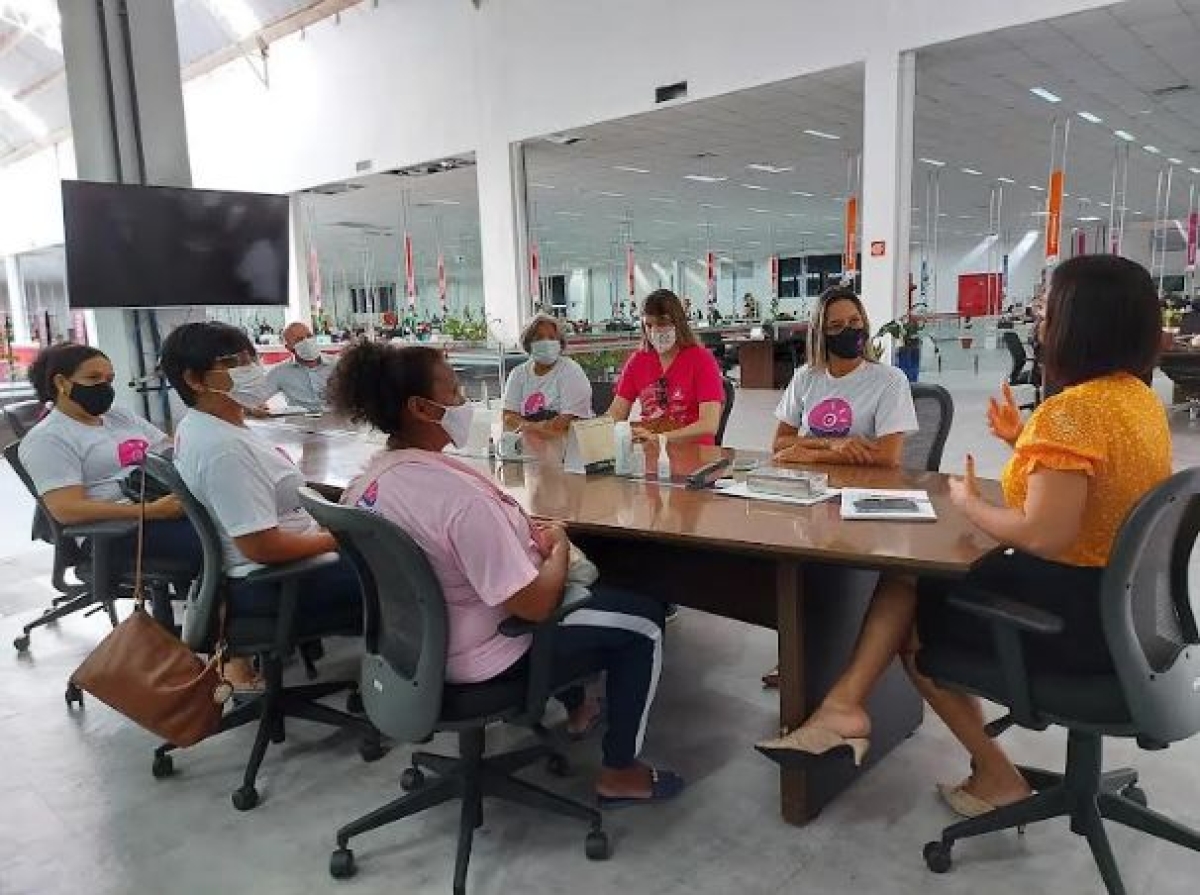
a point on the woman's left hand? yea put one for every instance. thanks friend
(965, 490)
(641, 434)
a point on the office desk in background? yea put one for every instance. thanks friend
(802, 571)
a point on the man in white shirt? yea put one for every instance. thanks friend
(303, 379)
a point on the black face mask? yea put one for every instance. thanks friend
(94, 399)
(848, 344)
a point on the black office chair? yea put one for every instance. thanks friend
(271, 638)
(935, 415)
(87, 550)
(22, 416)
(406, 694)
(602, 396)
(714, 342)
(1150, 620)
(1025, 369)
(726, 408)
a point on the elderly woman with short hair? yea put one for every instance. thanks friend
(549, 391)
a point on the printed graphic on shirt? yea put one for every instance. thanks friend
(832, 418)
(369, 497)
(535, 403)
(661, 393)
(132, 452)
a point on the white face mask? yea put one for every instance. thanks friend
(662, 338)
(307, 349)
(250, 387)
(456, 420)
(546, 351)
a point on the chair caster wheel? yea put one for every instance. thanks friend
(412, 779)
(245, 799)
(341, 864)
(164, 766)
(937, 856)
(1136, 794)
(371, 750)
(597, 846)
(73, 696)
(21, 643)
(557, 764)
(354, 703)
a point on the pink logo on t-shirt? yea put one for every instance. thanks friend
(132, 452)
(833, 417)
(535, 403)
(369, 497)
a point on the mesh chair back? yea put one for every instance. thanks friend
(1017, 352)
(1150, 611)
(23, 416)
(44, 525)
(935, 414)
(726, 409)
(202, 622)
(602, 397)
(405, 628)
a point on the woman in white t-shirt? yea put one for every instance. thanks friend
(250, 487)
(79, 454)
(840, 407)
(548, 392)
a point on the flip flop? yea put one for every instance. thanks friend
(807, 744)
(664, 785)
(962, 802)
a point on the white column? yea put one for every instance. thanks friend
(500, 171)
(299, 288)
(889, 90)
(18, 308)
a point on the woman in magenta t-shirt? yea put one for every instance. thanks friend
(674, 377)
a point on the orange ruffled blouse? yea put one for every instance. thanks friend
(1114, 430)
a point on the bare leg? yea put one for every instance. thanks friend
(885, 630)
(995, 779)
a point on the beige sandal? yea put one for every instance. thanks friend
(804, 744)
(962, 802)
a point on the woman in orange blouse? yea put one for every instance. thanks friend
(1079, 465)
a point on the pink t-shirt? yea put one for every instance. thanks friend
(692, 379)
(477, 540)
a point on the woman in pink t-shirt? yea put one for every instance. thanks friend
(675, 378)
(494, 562)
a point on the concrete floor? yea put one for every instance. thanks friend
(81, 812)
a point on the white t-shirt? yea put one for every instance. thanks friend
(872, 401)
(60, 452)
(563, 390)
(247, 484)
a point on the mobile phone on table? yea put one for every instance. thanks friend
(885, 505)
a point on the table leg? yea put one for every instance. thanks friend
(793, 707)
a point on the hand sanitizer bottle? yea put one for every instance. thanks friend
(624, 448)
(664, 459)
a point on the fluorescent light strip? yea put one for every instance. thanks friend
(1175, 161)
(569, 214)
(1045, 94)
(1124, 135)
(972, 172)
(1036, 188)
(768, 169)
(705, 178)
(935, 162)
(609, 194)
(630, 169)
(1088, 116)
(754, 186)
(710, 205)
(822, 134)
(760, 210)
(1194, 170)
(1153, 150)
(1005, 180)
(541, 186)
(802, 193)
(666, 199)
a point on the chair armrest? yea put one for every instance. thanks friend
(997, 609)
(273, 574)
(107, 530)
(519, 627)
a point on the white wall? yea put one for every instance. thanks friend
(957, 256)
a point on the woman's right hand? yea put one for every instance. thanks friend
(1004, 418)
(164, 508)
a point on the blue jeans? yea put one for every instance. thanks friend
(330, 599)
(171, 541)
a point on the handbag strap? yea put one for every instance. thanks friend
(139, 598)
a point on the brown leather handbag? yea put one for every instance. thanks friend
(151, 676)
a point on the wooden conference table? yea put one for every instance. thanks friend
(800, 570)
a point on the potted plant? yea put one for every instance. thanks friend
(907, 330)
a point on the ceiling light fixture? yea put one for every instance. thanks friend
(1124, 135)
(444, 202)
(754, 186)
(1043, 93)
(768, 169)
(237, 16)
(1089, 218)
(972, 172)
(935, 162)
(569, 214)
(760, 210)
(705, 178)
(1153, 150)
(710, 205)
(541, 186)
(743, 229)
(1088, 116)
(609, 194)
(802, 193)
(666, 199)
(1036, 188)
(1005, 180)
(630, 169)
(1175, 161)
(822, 134)
(666, 223)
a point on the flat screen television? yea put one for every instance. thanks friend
(131, 246)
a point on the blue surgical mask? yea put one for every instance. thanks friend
(546, 352)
